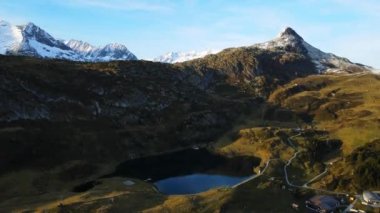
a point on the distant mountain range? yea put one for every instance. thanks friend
(287, 40)
(31, 40)
(176, 57)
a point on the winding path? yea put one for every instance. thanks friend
(304, 186)
(313, 179)
(318, 176)
(255, 176)
(289, 162)
(286, 172)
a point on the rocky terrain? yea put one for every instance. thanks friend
(63, 123)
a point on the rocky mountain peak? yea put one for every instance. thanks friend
(287, 40)
(290, 41)
(32, 32)
(115, 46)
(31, 26)
(114, 51)
(80, 46)
(289, 32)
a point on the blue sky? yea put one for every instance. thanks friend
(150, 28)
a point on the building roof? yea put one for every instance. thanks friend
(325, 202)
(371, 196)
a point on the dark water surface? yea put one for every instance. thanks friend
(195, 183)
(189, 171)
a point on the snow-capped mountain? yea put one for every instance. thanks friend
(31, 40)
(107, 53)
(80, 47)
(289, 40)
(175, 57)
(38, 43)
(11, 37)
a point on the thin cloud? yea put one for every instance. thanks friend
(267, 18)
(129, 5)
(362, 48)
(368, 7)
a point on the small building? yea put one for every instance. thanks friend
(295, 206)
(195, 147)
(372, 198)
(322, 203)
(128, 183)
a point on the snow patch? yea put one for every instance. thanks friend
(46, 51)
(80, 46)
(10, 37)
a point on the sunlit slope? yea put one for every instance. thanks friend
(348, 106)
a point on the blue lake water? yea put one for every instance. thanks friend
(188, 171)
(195, 183)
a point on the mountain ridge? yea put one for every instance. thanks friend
(287, 40)
(112, 51)
(31, 40)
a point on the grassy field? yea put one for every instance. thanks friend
(110, 195)
(262, 142)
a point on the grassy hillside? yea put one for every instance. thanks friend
(255, 71)
(64, 123)
(348, 108)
